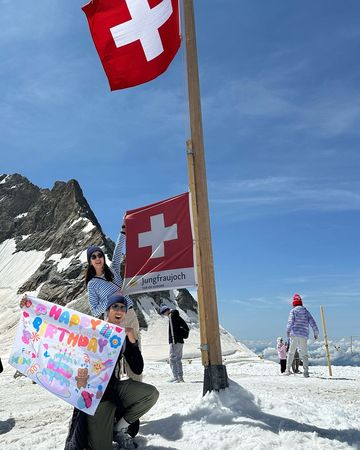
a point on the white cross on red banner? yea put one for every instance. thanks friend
(157, 236)
(159, 247)
(144, 25)
(136, 39)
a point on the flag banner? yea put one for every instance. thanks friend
(136, 39)
(159, 247)
(70, 354)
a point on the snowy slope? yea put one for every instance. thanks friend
(155, 342)
(15, 269)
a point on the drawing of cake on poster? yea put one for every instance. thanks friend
(57, 374)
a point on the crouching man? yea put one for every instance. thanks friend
(135, 397)
(132, 398)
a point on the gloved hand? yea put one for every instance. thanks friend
(316, 337)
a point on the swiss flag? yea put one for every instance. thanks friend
(159, 246)
(135, 39)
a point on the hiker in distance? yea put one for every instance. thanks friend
(281, 349)
(103, 281)
(298, 331)
(178, 331)
(124, 398)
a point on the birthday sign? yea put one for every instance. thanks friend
(70, 354)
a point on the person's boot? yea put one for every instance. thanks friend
(18, 374)
(122, 436)
(133, 428)
(124, 440)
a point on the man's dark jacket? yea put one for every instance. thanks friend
(179, 328)
(77, 438)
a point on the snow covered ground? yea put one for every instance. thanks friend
(260, 410)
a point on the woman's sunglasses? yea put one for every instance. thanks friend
(118, 307)
(97, 255)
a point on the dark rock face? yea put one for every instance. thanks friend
(185, 300)
(159, 297)
(48, 216)
(17, 196)
(60, 222)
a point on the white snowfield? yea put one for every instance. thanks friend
(260, 410)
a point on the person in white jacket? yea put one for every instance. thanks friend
(281, 349)
(298, 331)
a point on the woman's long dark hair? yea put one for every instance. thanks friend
(91, 273)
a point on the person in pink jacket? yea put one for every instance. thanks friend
(281, 349)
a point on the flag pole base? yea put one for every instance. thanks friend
(215, 378)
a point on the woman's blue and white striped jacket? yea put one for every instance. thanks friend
(99, 289)
(299, 321)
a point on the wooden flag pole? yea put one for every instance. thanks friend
(325, 339)
(201, 312)
(215, 377)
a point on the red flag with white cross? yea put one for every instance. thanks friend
(159, 246)
(136, 39)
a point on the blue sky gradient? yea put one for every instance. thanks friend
(281, 111)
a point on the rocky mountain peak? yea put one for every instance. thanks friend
(59, 224)
(44, 219)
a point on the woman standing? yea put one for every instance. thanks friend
(103, 281)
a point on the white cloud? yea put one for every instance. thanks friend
(288, 194)
(343, 351)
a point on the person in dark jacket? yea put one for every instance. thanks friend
(178, 330)
(132, 398)
(296, 362)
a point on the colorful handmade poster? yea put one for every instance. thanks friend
(70, 354)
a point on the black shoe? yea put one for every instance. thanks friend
(133, 428)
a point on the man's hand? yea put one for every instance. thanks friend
(130, 334)
(23, 301)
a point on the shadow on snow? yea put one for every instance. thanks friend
(232, 407)
(6, 425)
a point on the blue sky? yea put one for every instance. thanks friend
(281, 112)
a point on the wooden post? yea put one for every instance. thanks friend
(325, 339)
(201, 312)
(215, 372)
